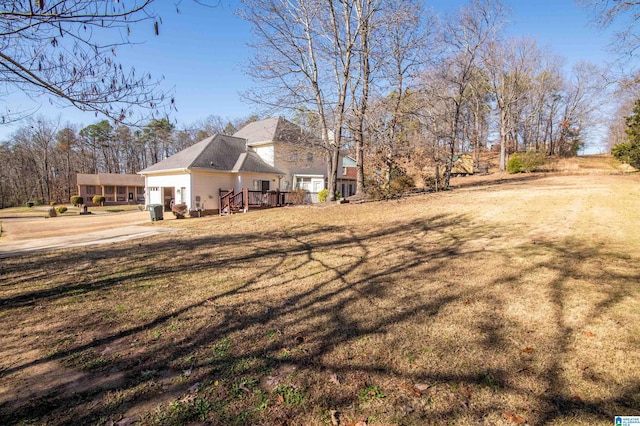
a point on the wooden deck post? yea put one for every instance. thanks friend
(245, 199)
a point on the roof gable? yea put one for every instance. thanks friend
(274, 129)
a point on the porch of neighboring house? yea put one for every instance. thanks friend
(116, 189)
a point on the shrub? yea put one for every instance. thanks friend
(514, 165)
(401, 184)
(29, 204)
(179, 210)
(38, 202)
(61, 209)
(531, 160)
(98, 199)
(77, 200)
(52, 203)
(298, 196)
(627, 152)
(322, 195)
(430, 181)
(527, 162)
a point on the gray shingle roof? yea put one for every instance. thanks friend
(218, 152)
(272, 129)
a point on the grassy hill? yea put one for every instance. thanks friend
(506, 302)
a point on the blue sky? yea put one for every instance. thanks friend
(201, 50)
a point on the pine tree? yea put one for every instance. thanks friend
(629, 151)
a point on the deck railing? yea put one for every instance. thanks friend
(231, 201)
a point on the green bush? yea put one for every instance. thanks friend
(77, 200)
(322, 195)
(61, 209)
(52, 203)
(525, 162)
(531, 160)
(627, 152)
(514, 165)
(38, 202)
(29, 204)
(98, 199)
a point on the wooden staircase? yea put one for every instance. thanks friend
(232, 202)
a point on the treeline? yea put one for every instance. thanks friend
(393, 83)
(401, 85)
(40, 161)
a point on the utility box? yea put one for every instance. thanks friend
(155, 210)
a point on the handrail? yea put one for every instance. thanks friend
(224, 201)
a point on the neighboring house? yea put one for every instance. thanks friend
(285, 146)
(116, 188)
(199, 174)
(347, 186)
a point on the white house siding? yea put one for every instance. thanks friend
(245, 180)
(154, 186)
(266, 153)
(207, 186)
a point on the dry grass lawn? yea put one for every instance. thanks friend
(501, 302)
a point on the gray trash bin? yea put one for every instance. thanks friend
(155, 210)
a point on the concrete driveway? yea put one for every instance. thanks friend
(22, 236)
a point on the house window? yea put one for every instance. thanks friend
(140, 190)
(261, 185)
(122, 190)
(91, 190)
(303, 183)
(108, 190)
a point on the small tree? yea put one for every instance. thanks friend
(98, 199)
(77, 200)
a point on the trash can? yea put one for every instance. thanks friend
(155, 210)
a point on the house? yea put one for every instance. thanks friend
(116, 188)
(263, 159)
(299, 155)
(199, 174)
(347, 185)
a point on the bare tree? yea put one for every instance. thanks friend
(407, 30)
(305, 56)
(466, 34)
(56, 48)
(604, 13)
(509, 74)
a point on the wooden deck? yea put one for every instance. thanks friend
(235, 202)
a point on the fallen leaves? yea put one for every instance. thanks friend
(269, 383)
(421, 387)
(514, 418)
(333, 378)
(412, 390)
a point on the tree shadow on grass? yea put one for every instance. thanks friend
(321, 312)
